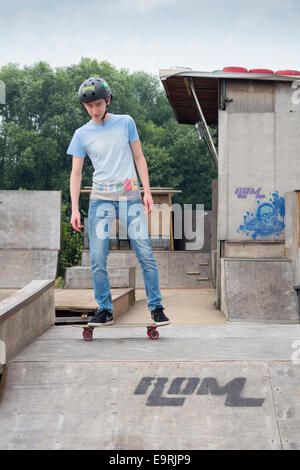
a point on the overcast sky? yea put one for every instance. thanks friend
(152, 34)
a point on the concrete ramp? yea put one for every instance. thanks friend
(258, 290)
(195, 388)
(152, 405)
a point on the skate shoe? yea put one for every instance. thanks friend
(158, 316)
(102, 317)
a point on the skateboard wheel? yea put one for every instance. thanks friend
(87, 335)
(153, 333)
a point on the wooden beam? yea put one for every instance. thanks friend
(187, 86)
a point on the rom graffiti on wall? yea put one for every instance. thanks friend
(266, 217)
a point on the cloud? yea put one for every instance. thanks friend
(152, 34)
(145, 5)
(265, 12)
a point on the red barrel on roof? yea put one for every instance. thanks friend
(265, 71)
(235, 69)
(288, 72)
(294, 73)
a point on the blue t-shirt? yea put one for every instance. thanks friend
(108, 146)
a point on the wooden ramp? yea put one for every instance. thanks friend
(75, 305)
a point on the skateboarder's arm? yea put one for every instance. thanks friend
(142, 168)
(75, 185)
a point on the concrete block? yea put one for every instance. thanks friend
(129, 258)
(22, 266)
(80, 277)
(30, 236)
(259, 290)
(122, 277)
(117, 259)
(30, 220)
(85, 257)
(292, 231)
(257, 249)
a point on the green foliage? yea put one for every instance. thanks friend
(42, 113)
(72, 243)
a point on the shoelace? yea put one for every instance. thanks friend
(102, 312)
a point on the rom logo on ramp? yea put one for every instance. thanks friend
(193, 385)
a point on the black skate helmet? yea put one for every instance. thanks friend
(93, 89)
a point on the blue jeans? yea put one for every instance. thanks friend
(101, 214)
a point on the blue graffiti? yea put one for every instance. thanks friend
(265, 220)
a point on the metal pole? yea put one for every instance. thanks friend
(207, 136)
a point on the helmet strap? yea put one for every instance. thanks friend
(105, 113)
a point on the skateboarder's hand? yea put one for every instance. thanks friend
(75, 221)
(148, 201)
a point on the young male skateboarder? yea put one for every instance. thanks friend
(111, 142)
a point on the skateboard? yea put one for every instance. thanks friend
(151, 329)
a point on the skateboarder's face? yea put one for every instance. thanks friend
(96, 109)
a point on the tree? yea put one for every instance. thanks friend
(42, 113)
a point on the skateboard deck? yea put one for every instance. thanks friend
(151, 329)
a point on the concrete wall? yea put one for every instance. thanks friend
(213, 232)
(259, 153)
(25, 315)
(292, 231)
(30, 228)
(173, 267)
